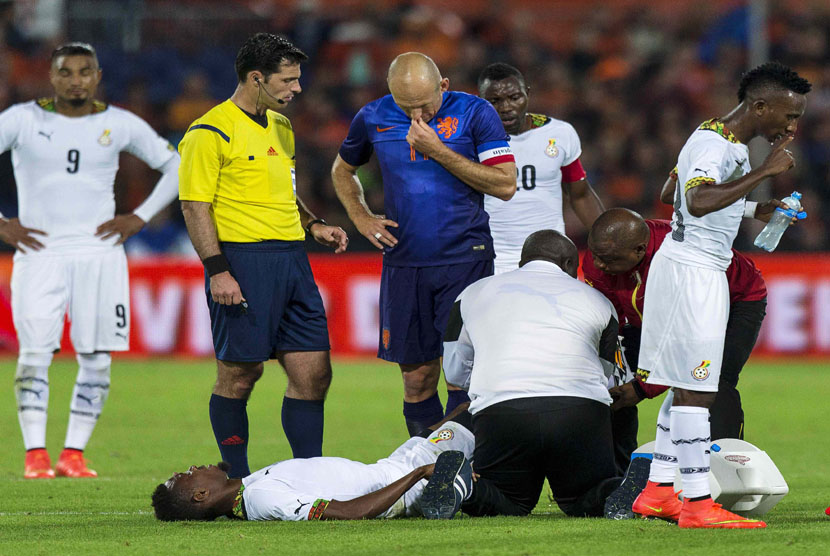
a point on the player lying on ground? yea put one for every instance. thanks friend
(319, 488)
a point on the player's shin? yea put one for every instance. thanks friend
(31, 389)
(691, 437)
(88, 397)
(664, 463)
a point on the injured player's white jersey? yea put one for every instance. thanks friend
(65, 168)
(540, 153)
(712, 155)
(300, 489)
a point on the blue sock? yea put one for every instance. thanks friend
(454, 399)
(302, 421)
(229, 419)
(420, 415)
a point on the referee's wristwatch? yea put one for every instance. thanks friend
(313, 222)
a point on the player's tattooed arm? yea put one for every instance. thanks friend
(18, 236)
(350, 192)
(375, 503)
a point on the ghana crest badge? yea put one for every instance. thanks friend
(105, 140)
(552, 150)
(701, 372)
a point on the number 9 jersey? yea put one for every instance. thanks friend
(65, 167)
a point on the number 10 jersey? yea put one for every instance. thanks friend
(540, 154)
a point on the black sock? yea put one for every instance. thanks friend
(420, 415)
(454, 399)
(229, 419)
(302, 422)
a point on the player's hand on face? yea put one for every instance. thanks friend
(765, 210)
(623, 396)
(373, 227)
(780, 159)
(333, 236)
(123, 225)
(18, 236)
(423, 138)
(224, 289)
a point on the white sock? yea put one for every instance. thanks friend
(91, 390)
(691, 438)
(664, 464)
(31, 389)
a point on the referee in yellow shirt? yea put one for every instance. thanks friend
(239, 197)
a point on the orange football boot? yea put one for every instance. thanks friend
(38, 465)
(658, 501)
(706, 514)
(72, 464)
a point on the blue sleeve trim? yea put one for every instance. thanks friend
(211, 128)
(491, 145)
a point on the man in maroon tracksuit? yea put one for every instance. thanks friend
(621, 246)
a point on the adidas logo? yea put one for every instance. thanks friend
(232, 441)
(271, 151)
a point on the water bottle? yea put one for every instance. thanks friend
(771, 234)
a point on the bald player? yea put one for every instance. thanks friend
(621, 246)
(440, 152)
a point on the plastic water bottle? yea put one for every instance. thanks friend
(771, 234)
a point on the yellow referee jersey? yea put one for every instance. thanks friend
(246, 172)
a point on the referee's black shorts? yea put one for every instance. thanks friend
(521, 442)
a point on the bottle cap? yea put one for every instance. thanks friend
(796, 195)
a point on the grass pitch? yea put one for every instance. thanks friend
(156, 422)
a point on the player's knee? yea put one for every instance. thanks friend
(420, 381)
(29, 359)
(237, 380)
(98, 361)
(693, 398)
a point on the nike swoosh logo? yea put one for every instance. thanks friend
(382, 129)
(658, 510)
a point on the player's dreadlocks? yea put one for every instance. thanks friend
(772, 75)
(265, 52)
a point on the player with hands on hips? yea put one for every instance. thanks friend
(65, 152)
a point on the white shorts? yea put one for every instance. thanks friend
(92, 289)
(685, 312)
(418, 451)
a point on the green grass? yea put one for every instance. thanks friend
(156, 422)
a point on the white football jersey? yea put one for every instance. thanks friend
(65, 168)
(534, 331)
(712, 155)
(540, 154)
(299, 489)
